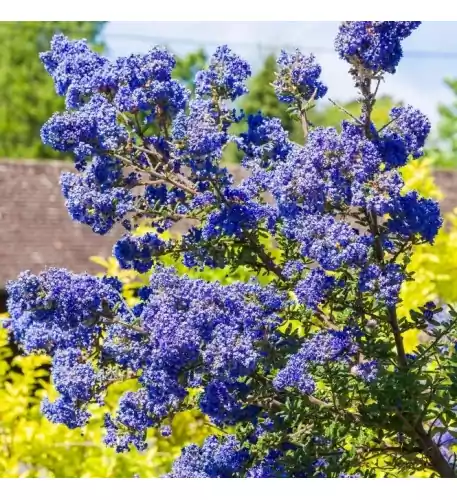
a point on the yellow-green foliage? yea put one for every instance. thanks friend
(435, 266)
(31, 446)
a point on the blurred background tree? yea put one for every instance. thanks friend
(27, 96)
(188, 66)
(444, 150)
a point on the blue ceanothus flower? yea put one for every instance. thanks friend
(376, 45)
(298, 77)
(287, 363)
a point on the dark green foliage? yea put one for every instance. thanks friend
(27, 96)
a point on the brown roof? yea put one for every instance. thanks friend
(446, 180)
(36, 230)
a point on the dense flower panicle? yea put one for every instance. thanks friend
(65, 411)
(404, 136)
(375, 45)
(72, 64)
(227, 74)
(93, 128)
(58, 309)
(163, 391)
(193, 323)
(169, 96)
(137, 70)
(321, 348)
(72, 377)
(223, 459)
(90, 203)
(265, 139)
(295, 184)
(340, 168)
(221, 401)
(297, 79)
(138, 252)
(380, 194)
(329, 242)
(390, 283)
(312, 290)
(237, 214)
(137, 82)
(199, 130)
(121, 439)
(295, 375)
(392, 149)
(384, 283)
(414, 215)
(292, 268)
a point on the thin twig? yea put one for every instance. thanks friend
(346, 111)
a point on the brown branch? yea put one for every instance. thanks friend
(157, 175)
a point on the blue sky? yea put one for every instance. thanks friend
(418, 81)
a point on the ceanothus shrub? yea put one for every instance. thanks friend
(321, 400)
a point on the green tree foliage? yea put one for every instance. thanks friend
(444, 152)
(27, 96)
(188, 66)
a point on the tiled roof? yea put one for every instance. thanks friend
(35, 228)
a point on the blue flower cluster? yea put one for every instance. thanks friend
(297, 79)
(107, 104)
(215, 459)
(222, 402)
(183, 326)
(225, 458)
(312, 290)
(194, 329)
(265, 139)
(226, 76)
(382, 283)
(138, 252)
(415, 215)
(375, 45)
(99, 197)
(58, 309)
(328, 241)
(322, 348)
(129, 83)
(405, 135)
